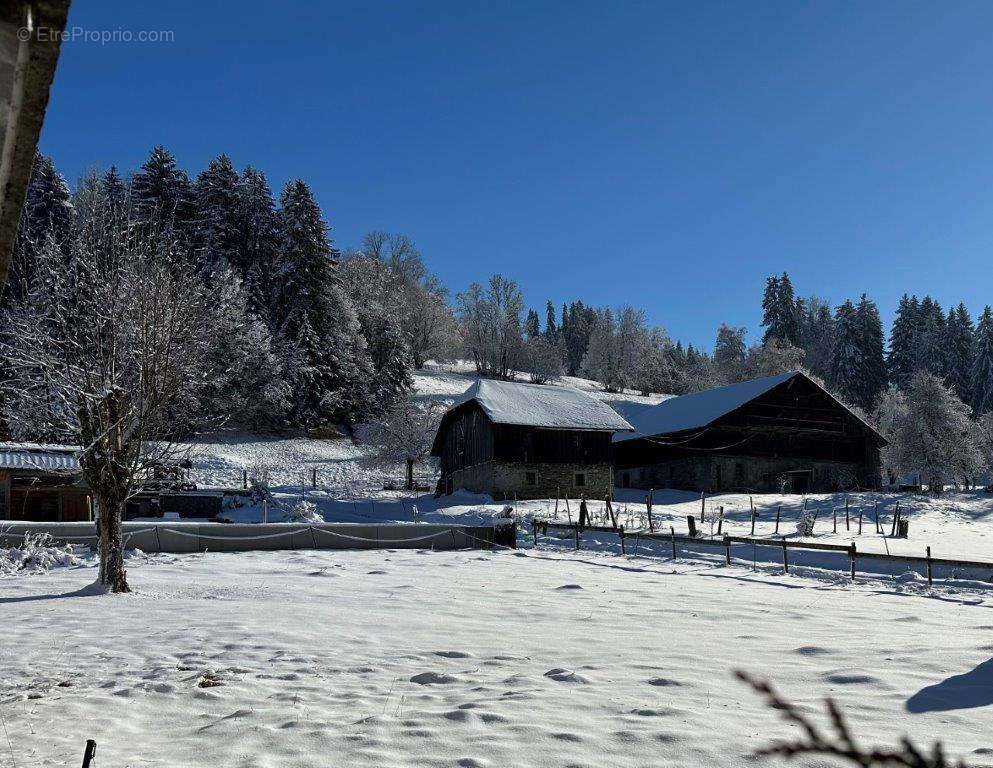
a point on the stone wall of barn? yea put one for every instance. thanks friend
(506, 480)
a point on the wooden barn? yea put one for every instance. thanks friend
(41, 483)
(783, 432)
(526, 440)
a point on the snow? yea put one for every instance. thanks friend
(541, 405)
(534, 657)
(50, 458)
(697, 409)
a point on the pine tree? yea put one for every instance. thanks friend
(905, 340)
(333, 373)
(847, 372)
(218, 224)
(258, 256)
(780, 315)
(162, 191)
(46, 216)
(550, 325)
(932, 357)
(872, 351)
(959, 352)
(982, 366)
(532, 326)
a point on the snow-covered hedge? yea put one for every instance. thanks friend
(38, 552)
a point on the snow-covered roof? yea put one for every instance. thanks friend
(542, 405)
(39, 456)
(698, 409)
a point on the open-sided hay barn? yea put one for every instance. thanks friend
(783, 432)
(527, 440)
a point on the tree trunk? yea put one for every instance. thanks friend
(112, 571)
(410, 474)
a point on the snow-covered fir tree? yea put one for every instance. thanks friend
(931, 345)
(905, 337)
(331, 373)
(532, 325)
(959, 352)
(846, 370)
(981, 384)
(217, 225)
(162, 192)
(258, 257)
(872, 344)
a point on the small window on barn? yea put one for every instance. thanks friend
(580, 480)
(530, 478)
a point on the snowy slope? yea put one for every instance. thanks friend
(532, 658)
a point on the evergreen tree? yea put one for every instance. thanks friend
(218, 224)
(780, 316)
(532, 326)
(982, 366)
(550, 326)
(847, 371)
(872, 351)
(730, 349)
(258, 257)
(46, 216)
(332, 374)
(931, 345)
(162, 191)
(905, 339)
(959, 352)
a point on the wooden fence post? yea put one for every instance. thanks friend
(720, 520)
(779, 510)
(534, 530)
(853, 560)
(703, 505)
(877, 516)
(89, 753)
(648, 506)
(929, 580)
(834, 510)
(576, 534)
(848, 519)
(860, 520)
(753, 515)
(313, 477)
(691, 524)
(620, 531)
(672, 536)
(244, 484)
(727, 550)
(896, 516)
(786, 562)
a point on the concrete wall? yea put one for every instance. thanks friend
(219, 537)
(505, 480)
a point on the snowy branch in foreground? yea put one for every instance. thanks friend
(840, 743)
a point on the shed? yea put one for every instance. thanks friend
(526, 440)
(42, 482)
(782, 432)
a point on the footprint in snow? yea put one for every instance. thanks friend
(568, 586)
(842, 679)
(811, 650)
(664, 682)
(453, 654)
(433, 678)
(566, 676)
(375, 573)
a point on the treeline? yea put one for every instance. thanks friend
(306, 335)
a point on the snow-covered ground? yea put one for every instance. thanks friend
(526, 658)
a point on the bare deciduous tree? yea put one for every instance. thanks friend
(111, 349)
(405, 432)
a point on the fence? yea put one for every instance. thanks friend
(927, 563)
(220, 537)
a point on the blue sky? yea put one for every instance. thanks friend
(668, 155)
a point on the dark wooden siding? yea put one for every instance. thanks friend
(529, 445)
(467, 438)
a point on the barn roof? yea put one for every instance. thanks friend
(699, 409)
(542, 405)
(39, 457)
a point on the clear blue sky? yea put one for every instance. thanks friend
(669, 155)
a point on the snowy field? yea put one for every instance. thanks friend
(527, 658)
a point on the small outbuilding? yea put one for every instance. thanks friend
(779, 433)
(42, 483)
(511, 439)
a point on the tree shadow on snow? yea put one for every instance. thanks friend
(90, 590)
(966, 691)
